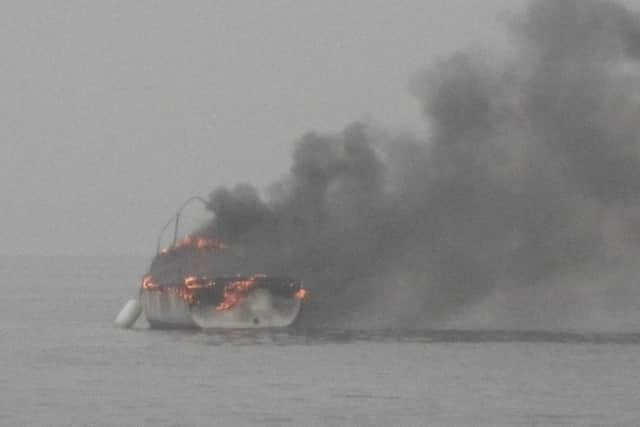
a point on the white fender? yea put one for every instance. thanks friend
(129, 314)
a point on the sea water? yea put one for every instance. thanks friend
(63, 363)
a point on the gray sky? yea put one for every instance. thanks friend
(113, 113)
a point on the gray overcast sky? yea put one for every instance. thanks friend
(112, 113)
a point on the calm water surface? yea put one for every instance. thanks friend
(62, 363)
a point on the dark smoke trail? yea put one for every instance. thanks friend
(532, 172)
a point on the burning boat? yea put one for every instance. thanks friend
(200, 282)
(184, 289)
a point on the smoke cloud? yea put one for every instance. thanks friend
(530, 177)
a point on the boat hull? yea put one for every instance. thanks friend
(166, 310)
(261, 309)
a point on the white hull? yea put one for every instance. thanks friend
(165, 309)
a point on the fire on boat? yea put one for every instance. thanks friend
(200, 282)
(220, 301)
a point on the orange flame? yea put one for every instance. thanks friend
(195, 242)
(301, 294)
(193, 282)
(235, 293)
(186, 291)
(148, 284)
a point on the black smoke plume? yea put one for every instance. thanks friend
(531, 173)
